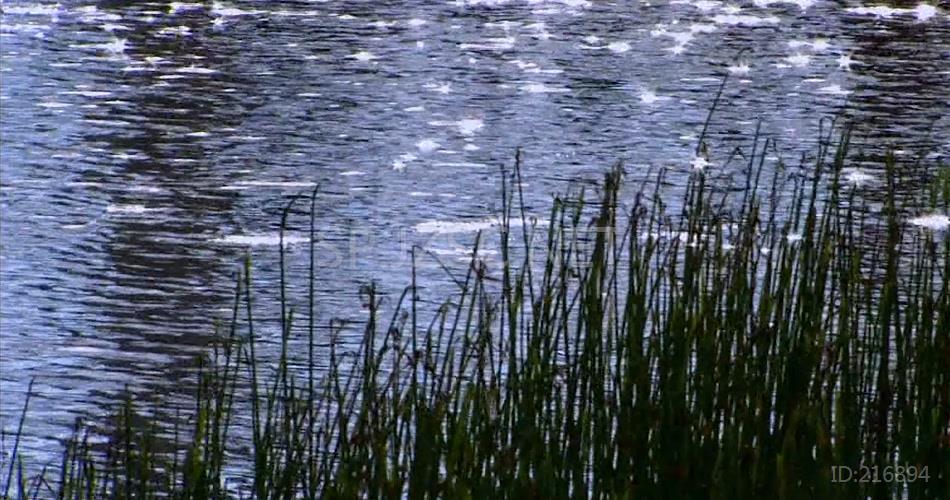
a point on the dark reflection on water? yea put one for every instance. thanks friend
(145, 147)
(900, 102)
(160, 266)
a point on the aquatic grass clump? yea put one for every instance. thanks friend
(761, 349)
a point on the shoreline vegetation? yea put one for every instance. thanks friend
(756, 346)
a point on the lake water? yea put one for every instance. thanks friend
(145, 148)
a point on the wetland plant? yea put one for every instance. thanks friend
(742, 348)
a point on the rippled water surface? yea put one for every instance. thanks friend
(145, 148)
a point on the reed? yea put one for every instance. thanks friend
(749, 345)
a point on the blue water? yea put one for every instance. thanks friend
(145, 148)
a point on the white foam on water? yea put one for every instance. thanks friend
(739, 68)
(522, 65)
(618, 47)
(922, 12)
(705, 5)
(650, 97)
(296, 13)
(530, 67)
(102, 122)
(471, 147)
(503, 43)
(744, 20)
(455, 227)
(112, 27)
(178, 7)
(224, 10)
(834, 89)
(8, 29)
(363, 56)
(91, 14)
(934, 222)
(129, 155)
(87, 93)
(32, 9)
(428, 145)
(540, 88)
(680, 37)
(676, 49)
(132, 209)
(845, 61)
(400, 163)
(270, 239)
(441, 88)
(245, 185)
(146, 189)
(732, 9)
(666, 235)
(505, 25)
(798, 60)
(195, 70)
(543, 35)
(703, 28)
(53, 105)
(352, 173)
(461, 252)
(699, 163)
(469, 126)
(381, 24)
(416, 22)
(881, 11)
(174, 31)
(858, 177)
(116, 46)
(820, 44)
(85, 184)
(418, 194)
